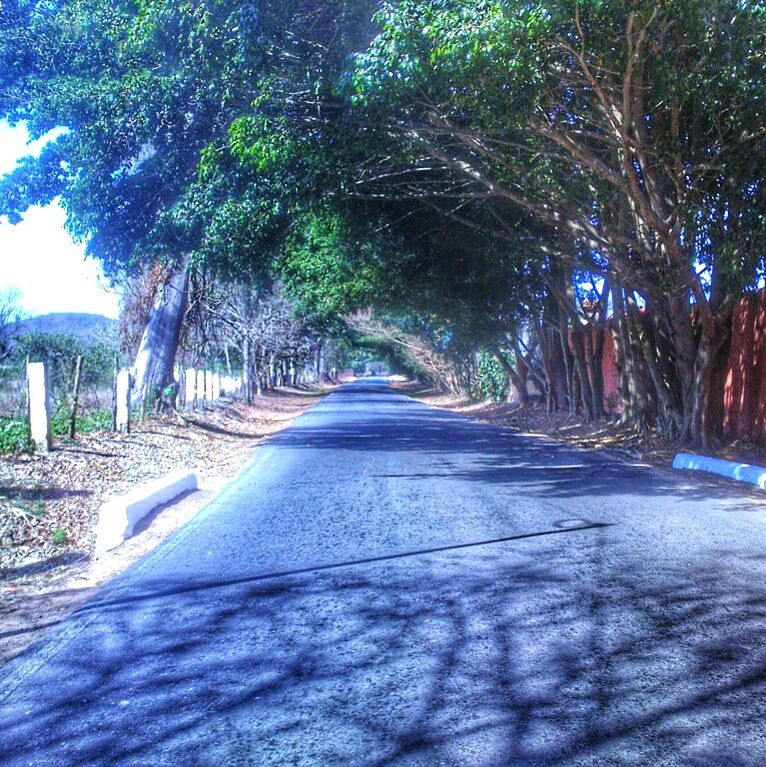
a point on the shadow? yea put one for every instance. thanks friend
(466, 659)
(41, 493)
(214, 429)
(145, 522)
(136, 436)
(367, 416)
(294, 391)
(85, 451)
(28, 629)
(61, 560)
(561, 527)
(636, 640)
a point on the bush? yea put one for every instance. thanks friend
(86, 423)
(61, 351)
(492, 380)
(14, 435)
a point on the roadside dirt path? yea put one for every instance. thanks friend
(574, 429)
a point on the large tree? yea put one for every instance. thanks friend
(631, 132)
(176, 119)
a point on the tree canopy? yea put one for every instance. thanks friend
(512, 179)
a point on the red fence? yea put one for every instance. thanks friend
(744, 377)
(741, 382)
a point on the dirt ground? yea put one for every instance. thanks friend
(598, 435)
(49, 503)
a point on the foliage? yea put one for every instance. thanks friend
(329, 265)
(470, 176)
(14, 435)
(100, 420)
(60, 351)
(491, 379)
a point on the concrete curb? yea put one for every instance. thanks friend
(118, 517)
(741, 472)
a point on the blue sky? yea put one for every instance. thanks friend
(39, 258)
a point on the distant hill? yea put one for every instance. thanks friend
(87, 327)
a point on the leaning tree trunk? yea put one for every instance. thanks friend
(156, 356)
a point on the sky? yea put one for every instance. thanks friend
(38, 257)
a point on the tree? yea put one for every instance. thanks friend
(10, 315)
(495, 177)
(600, 125)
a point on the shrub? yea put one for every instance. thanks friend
(14, 435)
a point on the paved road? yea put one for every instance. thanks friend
(394, 585)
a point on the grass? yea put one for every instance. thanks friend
(14, 432)
(14, 435)
(101, 420)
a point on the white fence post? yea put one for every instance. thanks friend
(190, 393)
(39, 406)
(124, 382)
(200, 390)
(209, 393)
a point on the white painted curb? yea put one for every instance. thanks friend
(742, 472)
(118, 516)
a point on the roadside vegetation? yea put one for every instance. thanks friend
(496, 193)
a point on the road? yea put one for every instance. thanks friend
(390, 584)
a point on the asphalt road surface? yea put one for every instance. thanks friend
(390, 584)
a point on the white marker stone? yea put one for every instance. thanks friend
(190, 393)
(39, 406)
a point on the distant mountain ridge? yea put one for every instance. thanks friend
(86, 327)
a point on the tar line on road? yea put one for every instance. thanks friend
(563, 527)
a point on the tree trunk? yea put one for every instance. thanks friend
(594, 352)
(586, 394)
(709, 353)
(247, 371)
(567, 375)
(632, 392)
(156, 356)
(669, 412)
(517, 380)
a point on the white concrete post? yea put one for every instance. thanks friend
(39, 406)
(209, 394)
(124, 382)
(216, 386)
(190, 389)
(200, 389)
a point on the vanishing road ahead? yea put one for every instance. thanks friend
(390, 584)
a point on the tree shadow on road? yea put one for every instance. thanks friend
(465, 450)
(476, 657)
